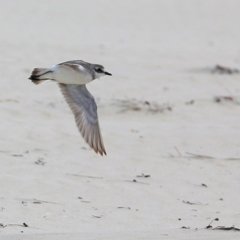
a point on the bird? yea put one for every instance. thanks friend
(72, 77)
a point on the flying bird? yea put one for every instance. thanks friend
(72, 77)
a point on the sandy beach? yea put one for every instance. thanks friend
(170, 120)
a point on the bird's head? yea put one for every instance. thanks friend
(99, 71)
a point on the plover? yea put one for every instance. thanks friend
(72, 77)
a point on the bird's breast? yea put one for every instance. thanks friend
(71, 75)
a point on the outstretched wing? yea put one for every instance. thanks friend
(84, 109)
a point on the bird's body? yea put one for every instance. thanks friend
(71, 77)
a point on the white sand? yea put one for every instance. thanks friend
(157, 51)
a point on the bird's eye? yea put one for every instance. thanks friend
(99, 70)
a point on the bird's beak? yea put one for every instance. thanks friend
(107, 73)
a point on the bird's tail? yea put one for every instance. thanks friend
(40, 74)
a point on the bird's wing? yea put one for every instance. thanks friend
(77, 62)
(84, 109)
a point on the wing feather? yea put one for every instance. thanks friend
(84, 109)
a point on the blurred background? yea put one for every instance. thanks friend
(157, 36)
(161, 51)
(173, 98)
